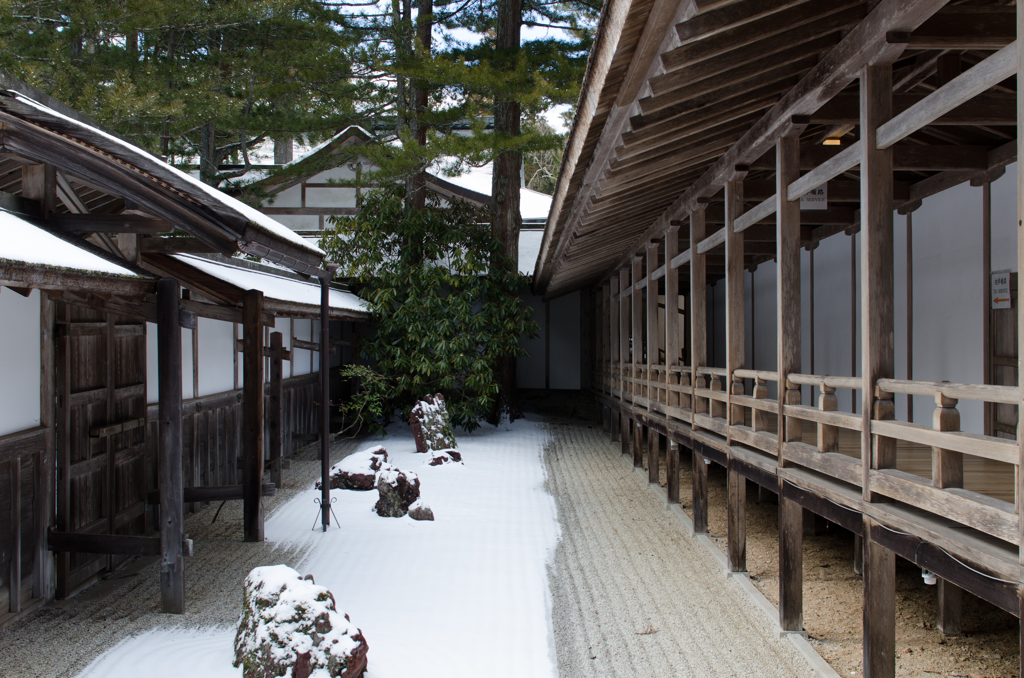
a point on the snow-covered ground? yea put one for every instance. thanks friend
(465, 595)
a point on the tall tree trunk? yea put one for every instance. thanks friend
(415, 188)
(208, 154)
(506, 219)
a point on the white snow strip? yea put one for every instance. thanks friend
(254, 216)
(464, 596)
(274, 286)
(319, 147)
(198, 653)
(22, 242)
(532, 204)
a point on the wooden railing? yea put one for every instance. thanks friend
(752, 419)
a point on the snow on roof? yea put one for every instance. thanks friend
(529, 249)
(321, 146)
(255, 217)
(23, 243)
(274, 286)
(532, 204)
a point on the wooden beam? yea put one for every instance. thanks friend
(109, 223)
(987, 108)
(761, 211)
(111, 544)
(966, 28)
(310, 211)
(252, 415)
(707, 24)
(172, 567)
(983, 76)
(178, 245)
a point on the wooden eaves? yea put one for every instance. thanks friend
(672, 107)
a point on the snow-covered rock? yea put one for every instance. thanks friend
(398, 490)
(291, 627)
(438, 457)
(419, 510)
(431, 426)
(358, 471)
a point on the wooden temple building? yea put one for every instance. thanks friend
(146, 369)
(798, 225)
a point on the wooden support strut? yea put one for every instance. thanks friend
(275, 407)
(172, 568)
(325, 398)
(252, 416)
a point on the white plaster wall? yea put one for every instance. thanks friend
(300, 356)
(19, 366)
(153, 366)
(216, 362)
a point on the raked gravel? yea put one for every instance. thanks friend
(633, 594)
(62, 638)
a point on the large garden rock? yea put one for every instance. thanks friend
(358, 471)
(431, 426)
(420, 511)
(398, 490)
(291, 627)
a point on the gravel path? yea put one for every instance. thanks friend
(633, 595)
(63, 637)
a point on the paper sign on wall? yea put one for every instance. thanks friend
(1000, 289)
(815, 199)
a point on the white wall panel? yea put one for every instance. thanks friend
(19, 361)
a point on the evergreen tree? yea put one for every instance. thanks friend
(193, 79)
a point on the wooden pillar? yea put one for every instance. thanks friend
(172, 566)
(787, 233)
(876, 266)
(698, 309)
(42, 566)
(325, 398)
(986, 319)
(636, 344)
(736, 553)
(791, 563)
(624, 315)
(700, 491)
(879, 607)
(653, 344)
(252, 415)
(910, 312)
(1020, 295)
(275, 407)
(672, 471)
(14, 579)
(735, 335)
(39, 182)
(638, 444)
(671, 307)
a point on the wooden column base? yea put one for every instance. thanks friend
(672, 471)
(736, 553)
(791, 564)
(638, 444)
(950, 604)
(653, 456)
(879, 607)
(700, 493)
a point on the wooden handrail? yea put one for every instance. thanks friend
(984, 392)
(756, 374)
(834, 382)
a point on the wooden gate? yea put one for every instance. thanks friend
(101, 436)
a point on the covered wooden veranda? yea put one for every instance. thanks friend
(700, 127)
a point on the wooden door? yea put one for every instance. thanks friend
(1003, 359)
(101, 435)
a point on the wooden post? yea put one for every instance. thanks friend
(700, 491)
(1020, 295)
(876, 266)
(698, 309)
(791, 563)
(653, 456)
(759, 418)
(14, 583)
(653, 343)
(947, 471)
(672, 471)
(636, 343)
(43, 566)
(172, 566)
(879, 607)
(638, 444)
(252, 416)
(986, 319)
(736, 553)
(624, 315)
(325, 398)
(735, 336)
(787, 233)
(275, 407)
(910, 313)
(828, 436)
(671, 313)
(62, 362)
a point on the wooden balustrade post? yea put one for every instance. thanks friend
(736, 414)
(718, 408)
(685, 399)
(884, 452)
(828, 436)
(794, 429)
(759, 418)
(947, 471)
(787, 288)
(672, 471)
